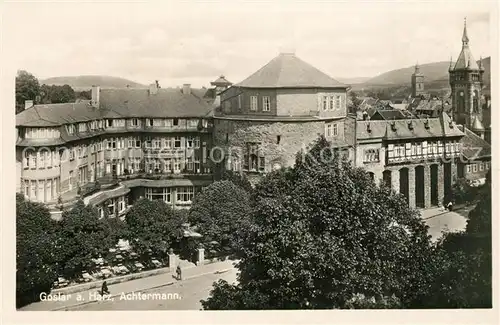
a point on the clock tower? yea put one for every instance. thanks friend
(466, 81)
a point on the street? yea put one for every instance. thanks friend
(182, 295)
(439, 221)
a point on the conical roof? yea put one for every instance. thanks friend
(465, 59)
(288, 71)
(222, 81)
(476, 124)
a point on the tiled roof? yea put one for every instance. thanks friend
(473, 146)
(165, 103)
(56, 114)
(400, 129)
(377, 129)
(288, 71)
(391, 114)
(116, 103)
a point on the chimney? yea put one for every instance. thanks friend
(153, 89)
(96, 91)
(186, 89)
(28, 104)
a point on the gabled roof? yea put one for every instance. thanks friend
(120, 103)
(288, 71)
(473, 146)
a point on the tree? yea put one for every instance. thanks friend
(36, 264)
(82, 237)
(57, 94)
(465, 260)
(238, 179)
(322, 234)
(355, 102)
(222, 213)
(153, 226)
(27, 88)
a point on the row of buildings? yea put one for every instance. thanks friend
(168, 144)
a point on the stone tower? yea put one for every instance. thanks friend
(466, 81)
(417, 82)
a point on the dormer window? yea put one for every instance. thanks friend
(393, 126)
(410, 125)
(70, 128)
(109, 123)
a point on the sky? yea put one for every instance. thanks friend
(194, 42)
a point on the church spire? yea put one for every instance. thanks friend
(417, 68)
(465, 38)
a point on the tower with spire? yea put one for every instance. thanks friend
(466, 81)
(417, 82)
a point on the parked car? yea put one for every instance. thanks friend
(156, 263)
(106, 271)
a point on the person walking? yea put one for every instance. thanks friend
(104, 288)
(179, 272)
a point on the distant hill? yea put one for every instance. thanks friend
(352, 80)
(81, 83)
(433, 72)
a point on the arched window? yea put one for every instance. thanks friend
(461, 101)
(475, 101)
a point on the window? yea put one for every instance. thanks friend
(196, 142)
(131, 142)
(99, 169)
(335, 129)
(158, 122)
(331, 101)
(328, 130)
(168, 122)
(33, 190)
(111, 143)
(372, 155)
(119, 123)
(149, 122)
(469, 168)
(167, 165)
(481, 166)
(82, 127)
(100, 212)
(70, 128)
(177, 142)
(185, 194)
(487, 165)
(167, 143)
(159, 193)
(72, 154)
(156, 143)
(121, 204)
(253, 103)
(137, 164)
(253, 159)
(190, 142)
(137, 143)
(177, 165)
(109, 123)
(337, 102)
(111, 208)
(474, 168)
(27, 188)
(190, 164)
(266, 103)
(192, 123)
(176, 122)
(134, 122)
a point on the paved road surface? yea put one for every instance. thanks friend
(183, 295)
(447, 221)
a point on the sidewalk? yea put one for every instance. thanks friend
(91, 296)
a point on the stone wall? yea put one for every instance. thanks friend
(279, 141)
